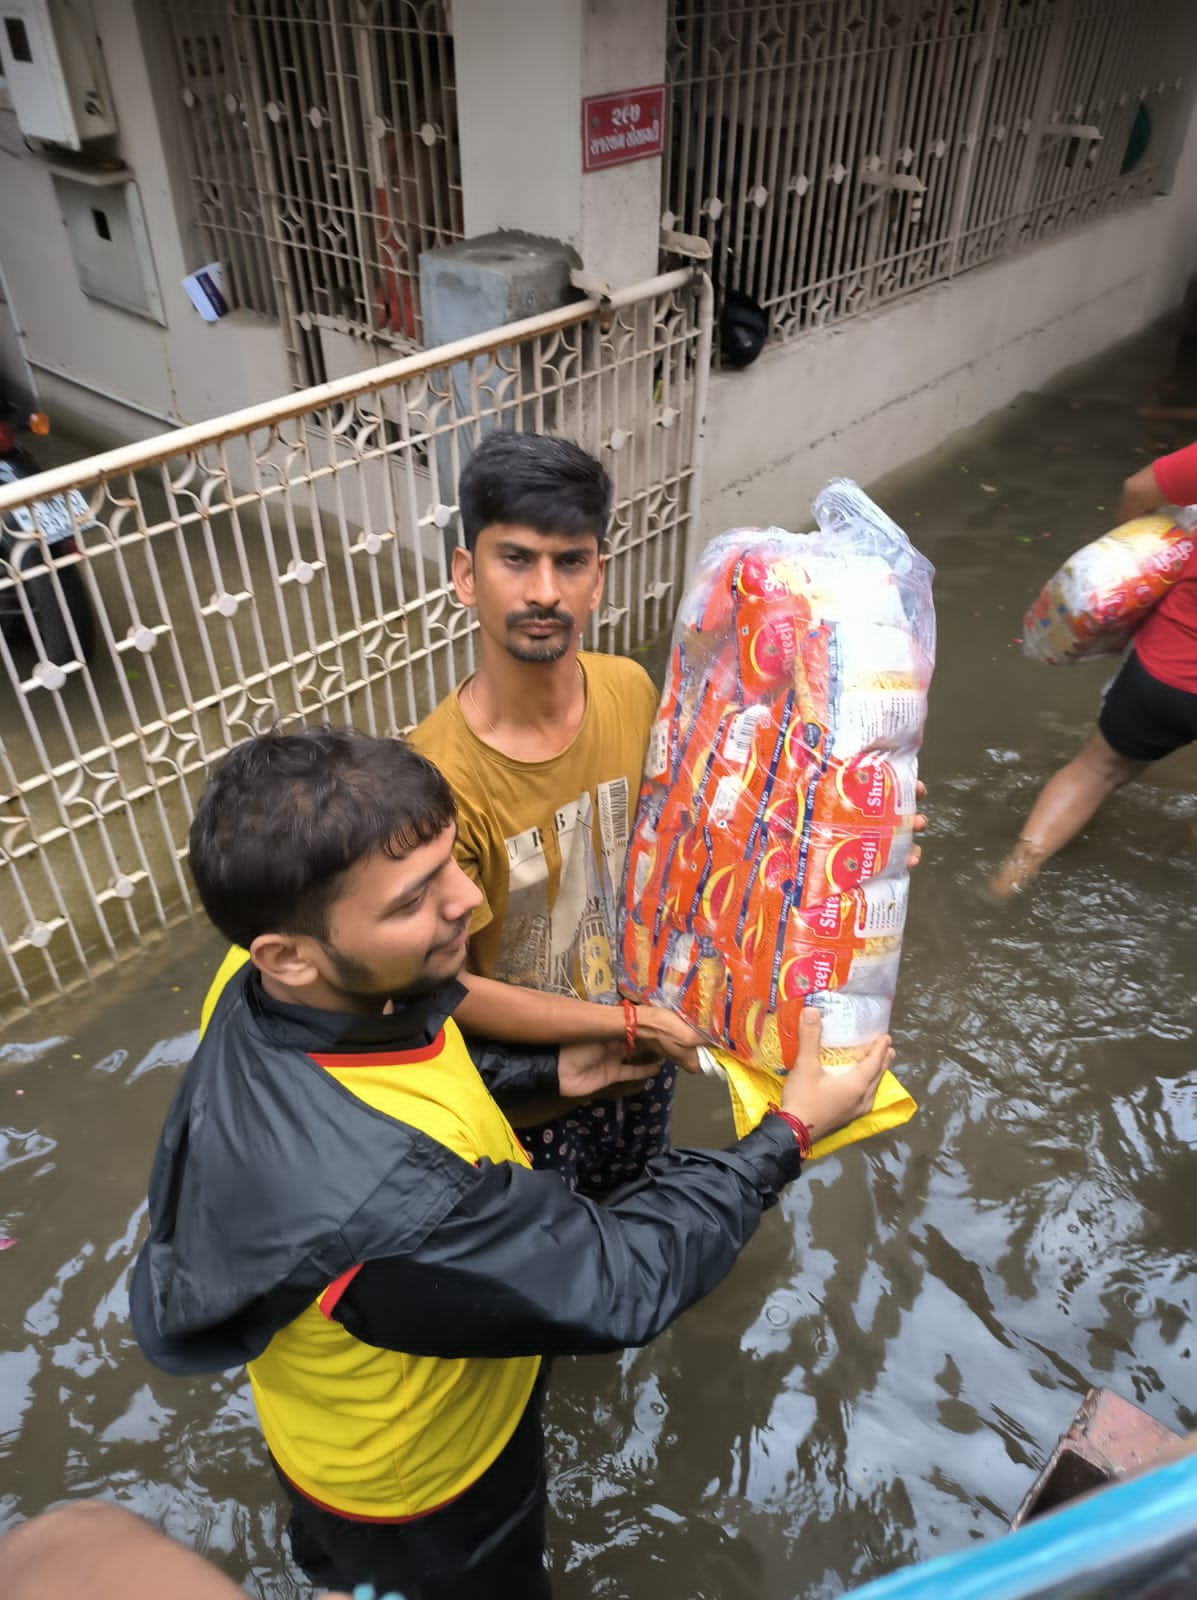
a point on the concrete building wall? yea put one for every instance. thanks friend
(89, 357)
(859, 398)
(870, 394)
(523, 69)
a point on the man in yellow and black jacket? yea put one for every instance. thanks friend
(338, 1203)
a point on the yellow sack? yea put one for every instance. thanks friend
(754, 1090)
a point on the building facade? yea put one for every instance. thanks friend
(747, 246)
(919, 207)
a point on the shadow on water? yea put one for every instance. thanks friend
(880, 1377)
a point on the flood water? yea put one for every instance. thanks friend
(900, 1345)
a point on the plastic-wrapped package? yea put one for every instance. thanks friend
(767, 863)
(1097, 599)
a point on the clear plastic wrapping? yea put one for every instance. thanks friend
(1097, 599)
(767, 864)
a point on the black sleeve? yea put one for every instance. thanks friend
(521, 1266)
(513, 1072)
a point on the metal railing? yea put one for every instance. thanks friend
(289, 564)
(320, 138)
(839, 153)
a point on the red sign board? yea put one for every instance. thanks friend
(628, 126)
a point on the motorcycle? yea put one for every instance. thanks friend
(48, 599)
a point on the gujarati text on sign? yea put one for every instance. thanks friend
(627, 126)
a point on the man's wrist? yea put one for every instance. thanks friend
(611, 1022)
(775, 1156)
(647, 1031)
(515, 1072)
(797, 1127)
(631, 1029)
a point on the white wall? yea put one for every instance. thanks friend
(523, 68)
(859, 399)
(188, 370)
(867, 396)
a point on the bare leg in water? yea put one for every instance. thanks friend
(1065, 804)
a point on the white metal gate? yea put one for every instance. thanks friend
(289, 564)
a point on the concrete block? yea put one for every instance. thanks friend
(485, 282)
(469, 288)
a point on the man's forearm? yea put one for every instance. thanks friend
(105, 1553)
(1140, 494)
(522, 1078)
(528, 1016)
(515, 1072)
(521, 1266)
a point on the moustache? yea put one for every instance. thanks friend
(462, 927)
(561, 618)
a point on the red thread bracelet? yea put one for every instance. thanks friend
(797, 1127)
(631, 1028)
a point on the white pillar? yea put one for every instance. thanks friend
(523, 70)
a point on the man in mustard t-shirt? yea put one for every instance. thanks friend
(544, 747)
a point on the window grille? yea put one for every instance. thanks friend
(322, 145)
(839, 153)
(225, 195)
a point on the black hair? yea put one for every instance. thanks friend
(286, 815)
(534, 481)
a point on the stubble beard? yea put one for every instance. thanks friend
(546, 650)
(360, 982)
(539, 651)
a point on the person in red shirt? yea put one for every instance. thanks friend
(1149, 710)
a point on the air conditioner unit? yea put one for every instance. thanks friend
(51, 60)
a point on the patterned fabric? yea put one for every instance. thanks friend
(599, 1148)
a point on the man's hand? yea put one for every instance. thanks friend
(826, 1101)
(586, 1070)
(918, 823)
(660, 1032)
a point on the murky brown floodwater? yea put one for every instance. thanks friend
(909, 1332)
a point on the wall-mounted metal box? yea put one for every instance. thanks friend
(106, 227)
(55, 74)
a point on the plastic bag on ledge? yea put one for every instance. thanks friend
(1097, 599)
(767, 863)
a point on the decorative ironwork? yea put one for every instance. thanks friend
(321, 141)
(839, 153)
(290, 564)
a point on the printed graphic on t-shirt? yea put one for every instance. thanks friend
(567, 947)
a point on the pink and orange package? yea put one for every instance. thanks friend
(767, 864)
(1097, 599)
